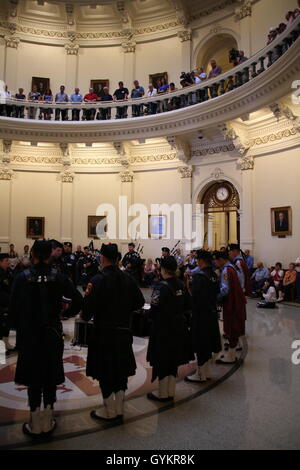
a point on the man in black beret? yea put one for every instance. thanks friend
(38, 296)
(111, 297)
(69, 260)
(5, 290)
(169, 342)
(131, 261)
(205, 331)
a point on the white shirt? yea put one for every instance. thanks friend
(280, 273)
(152, 92)
(270, 295)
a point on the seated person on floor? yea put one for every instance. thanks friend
(269, 295)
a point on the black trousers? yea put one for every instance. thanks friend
(35, 393)
(108, 387)
(64, 114)
(75, 114)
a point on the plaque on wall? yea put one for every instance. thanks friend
(35, 227)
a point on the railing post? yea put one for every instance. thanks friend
(270, 57)
(230, 85)
(238, 79)
(222, 87)
(262, 65)
(254, 73)
(246, 75)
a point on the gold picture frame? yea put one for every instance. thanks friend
(281, 221)
(35, 227)
(93, 221)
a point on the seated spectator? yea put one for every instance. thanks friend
(76, 97)
(269, 295)
(61, 97)
(152, 107)
(259, 277)
(281, 28)
(34, 95)
(90, 97)
(249, 260)
(242, 57)
(215, 69)
(46, 112)
(272, 35)
(277, 274)
(121, 94)
(106, 112)
(137, 92)
(19, 110)
(12, 253)
(289, 283)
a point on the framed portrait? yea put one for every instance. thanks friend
(99, 84)
(155, 78)
(93, 221)
(41, 83)
(281, 221)
(35, 227)
(157, 226)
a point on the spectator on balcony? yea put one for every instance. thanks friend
(61, 97)
(106, 112)
(46, 112)
(90, 97)
(290, 16)
(297, 11)
(162, 86)
(137, 92)
(34, 95)
(99, 91)
(9, 108)
(173, 103)
(215, 69)
(19, 110)
(281, 28)
(121, 94)
(272, 35)
(152, 107)
(242, 57)
(76, 97)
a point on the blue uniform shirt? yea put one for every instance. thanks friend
(224, 281)
(239, 270)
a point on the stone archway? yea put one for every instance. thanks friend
(221, 203)
(216, 47)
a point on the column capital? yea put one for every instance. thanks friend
(129, 46)
(244, 11)
(186, 171)
(72, 49)
(6, 174)
(127, 176)
(12, 41)
(67, 176)
(246, 163)
(185, 35)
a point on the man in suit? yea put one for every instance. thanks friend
(281, 224)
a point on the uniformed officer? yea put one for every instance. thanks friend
(110, 298)
(131, 262)
(87, 266)
(234, 306)
(56, 260)
(38, 296)
(169, 343)
(69, 261)
(243, 272)
(5, 289)
(205, 331)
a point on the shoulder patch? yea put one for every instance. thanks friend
(225, 276)
(88, 289)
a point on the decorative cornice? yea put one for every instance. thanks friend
(186, 171)
(72, 49)
(213, 150)
(6, 174)
(185, 35)
(12, 41)
(126, 176)
(273, 137)
(246, 163)
(28, 159)
(244, 11)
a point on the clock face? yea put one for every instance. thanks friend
(222, 193)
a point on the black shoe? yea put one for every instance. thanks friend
(153, 397)
(100, 418)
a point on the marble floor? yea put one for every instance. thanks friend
(254, 405)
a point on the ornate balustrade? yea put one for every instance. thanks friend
(266, 76)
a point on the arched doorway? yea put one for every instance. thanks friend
(221, 215)
(217, 48)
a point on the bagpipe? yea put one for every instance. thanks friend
(173, 251)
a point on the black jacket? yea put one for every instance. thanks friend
(110, 298)
(34, 312)
(5, 289)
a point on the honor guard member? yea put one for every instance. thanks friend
(69, 261)
(56, 260)
(131, 256)
(38, 296)
(88, 267)
(205, 331)
(5, 289)
(234, 306)
(110, 298)
(169, 342)
(165, 252)
(240, 264)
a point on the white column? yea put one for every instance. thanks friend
(233, 227)
(71, 66)
(2, 59)
(185, 39)
(126, 190)
(246, 213)
(223, 231)
(210, 232)
(66, 209)
(5, 206)
(11, 62)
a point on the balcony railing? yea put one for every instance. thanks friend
(161, 103)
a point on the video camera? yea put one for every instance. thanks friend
(187, 77)
(234, 56)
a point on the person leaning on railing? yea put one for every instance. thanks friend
(76, 97)
(121, 94)
(105, 113)
(61, 97)
(46, 112)
(34, 95)
(137, 92)
(19, 110)
(90, 97)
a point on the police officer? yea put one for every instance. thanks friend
(69, 261)
(56, 259)
(88, 267)
(205, 331)
(169, 342)
(132, 262)
(232, 298)
(5, 289)
(238, 261)
(110, 298)
(37, 297)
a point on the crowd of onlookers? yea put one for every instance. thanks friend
(290, 17)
